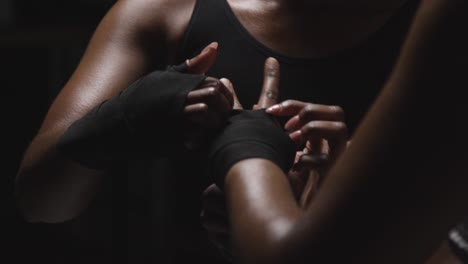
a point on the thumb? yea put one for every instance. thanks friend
(201, 63)
(270, 90)
(230, 87)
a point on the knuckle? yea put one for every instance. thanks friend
(271, 94)
(217, 83)
(308, 111)
(210, 81)
(271, 71)
(308, 108)
(211, 92)
(309, 127)
(201, 108)
(287, 103)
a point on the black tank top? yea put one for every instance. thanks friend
(351, 78)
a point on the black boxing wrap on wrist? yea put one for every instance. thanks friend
(249, 134)
(458, 241)
(181, 68)
(143, 119)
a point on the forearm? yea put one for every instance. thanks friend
(50, 188)
(119, 129)
(379, 190)
(380, 203)
(262, 209)
(131, 40)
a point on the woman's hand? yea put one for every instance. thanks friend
(208, 105)
(214, 216)
(322, 131)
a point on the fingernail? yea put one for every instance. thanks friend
(205, 50)
(213, 45)
(273, 109)
(271, 60)
(296, 136)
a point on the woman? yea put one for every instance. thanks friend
(349, 50)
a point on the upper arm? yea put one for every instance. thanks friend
(132, 39)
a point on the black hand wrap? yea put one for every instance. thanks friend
(144, 119)
(181, 68)
(249, 134)
(458, 241)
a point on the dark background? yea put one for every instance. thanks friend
(41, 43)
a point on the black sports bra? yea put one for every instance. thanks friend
(351, 78)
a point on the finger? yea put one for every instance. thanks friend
(310, 189)
(230, 87)
(213, 93)
(286, 108)
(297, 180)
(314, 112)
(220, 87)
(309, 162)
(334, 132)
(305, 112)
(213, 191)
(270, 89)
(201, 63)
(228, 94)
(196, 108)
(316, 146)
(211, 97)
(214, 201)
(202, 115)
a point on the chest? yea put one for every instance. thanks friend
(351, 78)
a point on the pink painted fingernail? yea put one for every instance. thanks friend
(205, 50)
(273, 109)
(213, 45)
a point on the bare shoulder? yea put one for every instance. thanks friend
(163, 18)
(132, 38)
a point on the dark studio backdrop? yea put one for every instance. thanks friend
(41, 43)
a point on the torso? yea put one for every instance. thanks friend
(310, 29)
(350, 77)
(320, 30)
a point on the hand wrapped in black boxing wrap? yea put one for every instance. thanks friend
(144, 119)
(458, 241)
(249, 134)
